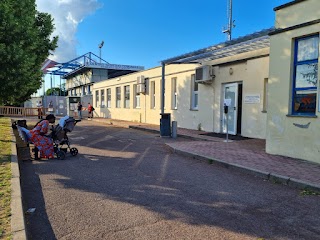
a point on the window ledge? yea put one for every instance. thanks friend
(302, 116)
(264, 111)
(194, 109)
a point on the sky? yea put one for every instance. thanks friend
(144, 32)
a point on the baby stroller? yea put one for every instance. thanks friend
(58, 134)
(60, 138)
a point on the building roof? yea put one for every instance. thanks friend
(91, 61)
(254, 41)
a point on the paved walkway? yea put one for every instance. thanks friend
(245, 155)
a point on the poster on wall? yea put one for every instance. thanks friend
(252, 98)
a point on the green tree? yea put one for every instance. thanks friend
(25, 43)
(56, 92)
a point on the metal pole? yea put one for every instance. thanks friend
(230, 20)
(162, 87)
(44, 84)
(51, 83)
(227, 135)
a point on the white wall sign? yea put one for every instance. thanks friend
(227, 102)
(252, 98)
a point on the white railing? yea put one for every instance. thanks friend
(20, 111)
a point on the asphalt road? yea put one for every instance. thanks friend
(125, 184)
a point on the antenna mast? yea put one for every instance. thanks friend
(231, 25)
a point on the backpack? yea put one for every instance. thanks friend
(93, 109)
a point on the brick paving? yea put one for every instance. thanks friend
(247, 155)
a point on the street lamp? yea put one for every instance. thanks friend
(100, 46)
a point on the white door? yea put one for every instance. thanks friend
(230, 94)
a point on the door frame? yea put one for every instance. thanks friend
(235, 112)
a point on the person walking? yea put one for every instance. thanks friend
(79, 108)
(90, 111)
(50, 107)
(39, 106)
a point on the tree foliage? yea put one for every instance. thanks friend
(25, 43)
(56, 92)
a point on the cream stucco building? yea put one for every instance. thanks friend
(197, 86)
(293, 125)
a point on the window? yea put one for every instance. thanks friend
(136, 97)
(194, 93)
(153, 95)
(102, 98)
(97, 98)
(89, 89)
(83, 90)
(127, 96)
(109, 98)
(118, 97)
(305, 78)
(174, 104)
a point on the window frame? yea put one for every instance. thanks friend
(307, 90)
(102, 96)
(194, 93)
(118, 97)
(153, 95)
(137, 97)
(174, 97)
(109, 97)
(126, 96)
(97, 99)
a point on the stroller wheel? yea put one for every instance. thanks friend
(74, 151)
(61, 155)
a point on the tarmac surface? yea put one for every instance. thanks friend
(131, 184)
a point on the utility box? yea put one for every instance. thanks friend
(165, 125)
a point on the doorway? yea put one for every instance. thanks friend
(232, 95)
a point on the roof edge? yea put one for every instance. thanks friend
(287, 4)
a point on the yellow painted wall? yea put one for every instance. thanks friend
(283, 137)
(249, 68)
(301, 12)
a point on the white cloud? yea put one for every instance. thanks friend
(67, 15)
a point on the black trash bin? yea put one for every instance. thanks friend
(165, 125)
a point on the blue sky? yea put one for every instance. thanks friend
(144, 32)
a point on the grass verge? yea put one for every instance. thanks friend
(5, 178)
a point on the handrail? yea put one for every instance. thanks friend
(20, 111)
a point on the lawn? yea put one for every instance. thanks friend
(5, 178)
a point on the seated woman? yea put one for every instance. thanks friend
(38, 138)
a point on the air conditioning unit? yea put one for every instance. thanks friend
(140, 79)
(141, 88)
(204, 74)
